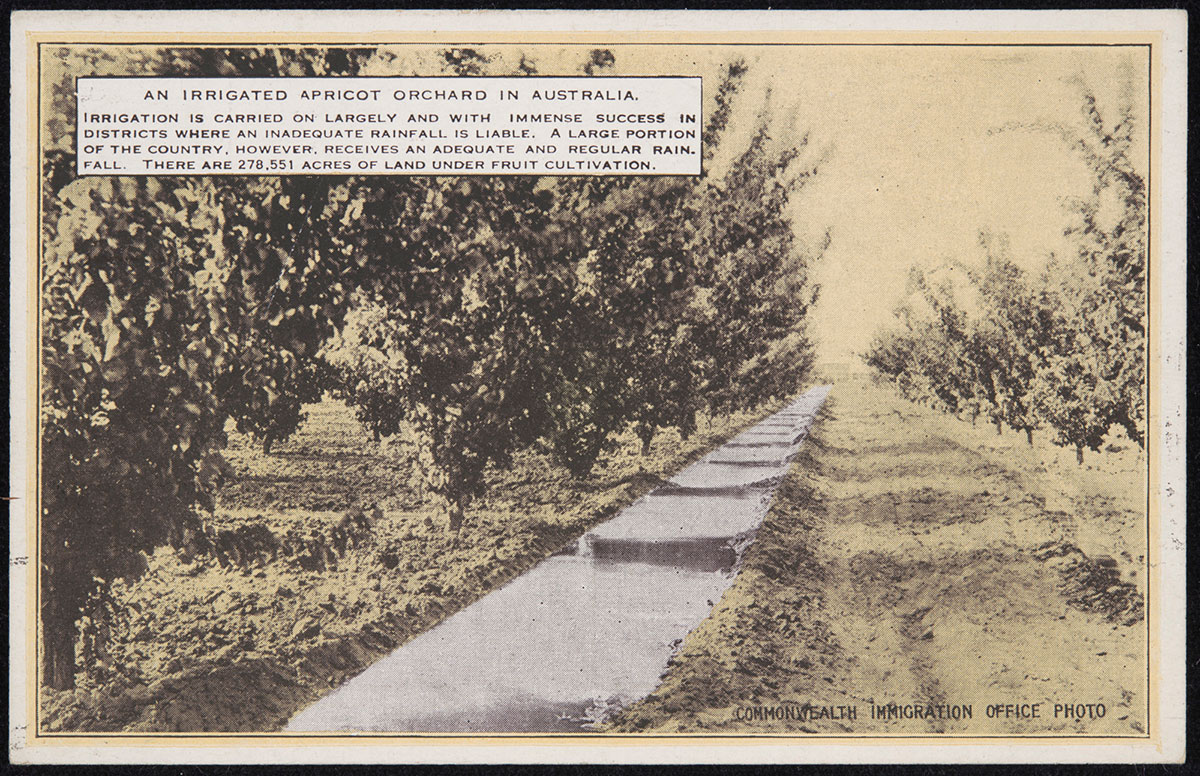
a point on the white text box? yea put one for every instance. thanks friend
(389, 126)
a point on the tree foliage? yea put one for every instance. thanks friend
(585, 306)
(485, 314)
(1064, 349)
(168, 307)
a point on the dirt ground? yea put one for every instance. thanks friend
(910, 562)
(296, 590)
(919, 575)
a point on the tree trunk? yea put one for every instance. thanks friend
(268, 442)
(974, 416)
(58, 653)
(1079, 454)
(999, 427)
(1029, 436)
(583, 464)
(377, 435)
(456, 516)
(646, 434)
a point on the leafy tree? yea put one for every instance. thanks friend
(129, 415)
(1015, 328)
(597, 283)
(704, 295)
(306, 381)
(1074, 390)
(1104, 287)
(1067, 350)
(365, 364)
(947, 355)
(460, 291)
(754, 286)
(167, 307)
(967, 373)
(635, 299)
(483, 313)
(891, 355)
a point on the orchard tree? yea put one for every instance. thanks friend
(891, 355)
(753, 293)
(153, 339)
(130, 418)
(966, 370)
(665, 243)
(1065, 350)
(1107, 279)
(1015, 328)
(365, 363)
(168, 306)
(281, 412)
(459, 274)
(940, 357)
(620, 354)
(636, 297)
(577, 313)
(1093, 372)
(1075, 391)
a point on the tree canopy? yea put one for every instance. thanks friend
(486, 314)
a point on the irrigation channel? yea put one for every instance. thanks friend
(591, 627)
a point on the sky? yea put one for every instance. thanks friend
(915, 167)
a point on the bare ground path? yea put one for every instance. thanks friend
(913, 563)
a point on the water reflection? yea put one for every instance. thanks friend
(592, 627)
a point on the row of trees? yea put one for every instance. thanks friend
(1061, 349)
(602, 304)
(486, 314)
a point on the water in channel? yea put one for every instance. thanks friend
(591, 627)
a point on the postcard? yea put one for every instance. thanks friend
(597, 386)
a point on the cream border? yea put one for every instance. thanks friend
(1164, 31)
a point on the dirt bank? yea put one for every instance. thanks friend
(915, 563)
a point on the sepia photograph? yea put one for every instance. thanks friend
(659, 387)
